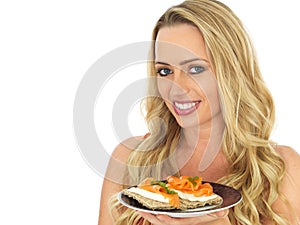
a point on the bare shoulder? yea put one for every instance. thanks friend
(291, 158)
(291, 185)
(117, 164)
(122, 151)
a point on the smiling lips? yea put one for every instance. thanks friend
(185, 108)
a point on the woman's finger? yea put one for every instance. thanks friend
(167, 220)
(153, 219)
(220, 214)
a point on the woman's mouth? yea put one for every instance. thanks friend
(185, 108)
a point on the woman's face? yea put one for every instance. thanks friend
(185, 79)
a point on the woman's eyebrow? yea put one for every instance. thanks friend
(163, 63)
(183, 62)
(192, 60)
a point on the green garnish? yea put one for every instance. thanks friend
(164, 185)
(192, 180)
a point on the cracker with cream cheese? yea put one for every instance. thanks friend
(183, 193)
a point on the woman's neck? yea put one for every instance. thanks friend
(201, 143)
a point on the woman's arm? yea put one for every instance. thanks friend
(113, 181)
(109, 188)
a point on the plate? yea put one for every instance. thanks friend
(231, 197)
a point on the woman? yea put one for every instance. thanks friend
(212, 117)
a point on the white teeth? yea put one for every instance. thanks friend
(185, 106)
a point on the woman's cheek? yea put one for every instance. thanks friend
(164, 86)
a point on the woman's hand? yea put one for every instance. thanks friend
(212, 219)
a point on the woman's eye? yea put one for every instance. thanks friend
(196, 69)
(164, 71)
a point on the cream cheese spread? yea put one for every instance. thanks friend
(148, 194)
(191, 197)
(161, 198)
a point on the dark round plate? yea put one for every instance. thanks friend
(231, 197)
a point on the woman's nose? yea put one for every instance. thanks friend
(180, 83)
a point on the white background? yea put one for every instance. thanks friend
(45, 49)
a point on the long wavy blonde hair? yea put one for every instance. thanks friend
(256, 169)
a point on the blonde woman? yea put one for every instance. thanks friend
(211, 116)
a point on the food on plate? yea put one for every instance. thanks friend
(183, 193)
